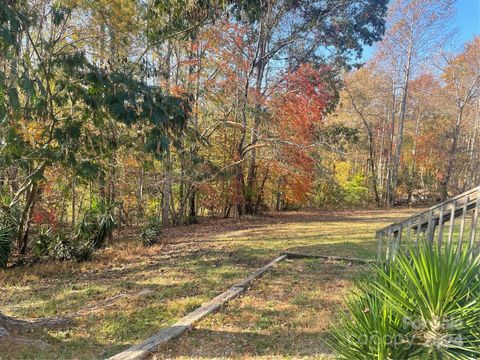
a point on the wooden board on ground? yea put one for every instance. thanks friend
(327, 257)
(142, 350)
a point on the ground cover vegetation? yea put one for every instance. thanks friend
(127, 292)
(423, 305)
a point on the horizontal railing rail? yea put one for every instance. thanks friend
(430, 224)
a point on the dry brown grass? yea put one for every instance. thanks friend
(286, 314)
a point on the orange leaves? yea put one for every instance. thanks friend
(298, 109)
(300, 103)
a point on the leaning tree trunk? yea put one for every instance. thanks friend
(11, 328)
(25, 219)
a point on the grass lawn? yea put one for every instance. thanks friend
(127, 292)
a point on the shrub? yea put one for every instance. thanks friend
(67, 247)
(44, 239)
(8, 229)
(355, 192)
(191, 219)
(151, 231)
(77, 244)
(6, 238)
(82, 250)
(61, 247)
(423, 305)
(97, 225)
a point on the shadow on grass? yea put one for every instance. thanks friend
(235, 344)
(181, 276)
(288, 314)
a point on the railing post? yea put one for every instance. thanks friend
(419, 229)
(430, 227)
(409, 230)
(440, 227)
(473, 231)
(462, 224)
(452, 223)
(389, 243)
(397, 238)
(380, 241)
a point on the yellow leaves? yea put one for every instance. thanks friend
(342, 172)
(32, 132)
(130, 161)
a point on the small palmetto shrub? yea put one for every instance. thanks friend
(423, 305)
(8, 228)
(43, 241)
(66, 246)
(61, 246)
(6, 239)
(97, 225)
(151, 231)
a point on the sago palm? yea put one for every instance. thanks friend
(423, 305)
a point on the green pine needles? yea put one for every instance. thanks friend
(423, 305)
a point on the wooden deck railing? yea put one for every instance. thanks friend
(431, 225)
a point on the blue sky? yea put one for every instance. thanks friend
(467, 22)
(467, 19)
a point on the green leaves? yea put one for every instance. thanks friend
(183, 18)
(9, 28)
(423, 305)
(5, 245)
(97, 225)
(7, 235)
(151, 231)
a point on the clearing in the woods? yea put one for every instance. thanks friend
(127, 293)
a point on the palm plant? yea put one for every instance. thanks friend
(5, 244)
(7, 235)
(97, 225)
(151, 231)
(423, 305)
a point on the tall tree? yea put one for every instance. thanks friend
(300, 32)
(462, 73)
(416, 28)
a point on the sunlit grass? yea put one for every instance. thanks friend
(152, 287)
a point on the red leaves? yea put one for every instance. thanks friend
(298, 108)
(43, 216)
(300, 103)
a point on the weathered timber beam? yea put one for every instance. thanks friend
(142, 350)
(327, 257)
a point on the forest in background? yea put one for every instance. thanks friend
(119, 113)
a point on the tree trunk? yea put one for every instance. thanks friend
(167, 173)
(411, 180)
(391, 138)
(260, 192)
(260, 69)
(452, 154)
(167, 190)
(474, 155)
(25, 219)
(401, 122)
(192, 212)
